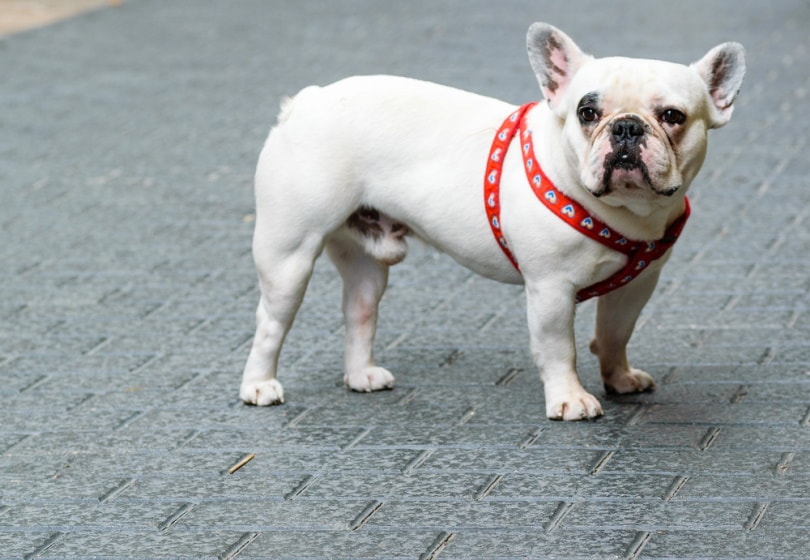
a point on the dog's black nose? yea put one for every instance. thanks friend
(627, 129)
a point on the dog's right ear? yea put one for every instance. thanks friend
(555, 58)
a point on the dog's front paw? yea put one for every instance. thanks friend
(262, 393)
(574, 405)
(628, 381)
(369, 379)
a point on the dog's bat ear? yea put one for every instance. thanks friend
(555, 58)
(722, 70)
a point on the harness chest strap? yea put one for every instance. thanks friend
(639, 253)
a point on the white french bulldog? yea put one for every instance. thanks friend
(357, 166)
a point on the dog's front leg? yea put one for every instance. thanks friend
(616, 315)
(551, 310)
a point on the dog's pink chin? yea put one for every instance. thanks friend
(627, 179)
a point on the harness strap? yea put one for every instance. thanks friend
(639, 253)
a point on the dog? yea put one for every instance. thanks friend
(601, 165)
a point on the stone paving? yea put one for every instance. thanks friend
(128, 139)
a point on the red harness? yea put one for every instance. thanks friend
(639, 253)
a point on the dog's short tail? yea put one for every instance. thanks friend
(286, 108)
(288, 103)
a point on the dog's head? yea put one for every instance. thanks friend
(634, 129)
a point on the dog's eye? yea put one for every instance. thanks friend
(673, 116)
(588, 114)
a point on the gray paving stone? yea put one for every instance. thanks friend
(786, 515)
(765, 487)
(652, 516)
(16, 544)
(297, 515)
(65, 517)
(127, 292)
(383, 486)
(530, 460)
(676, 461)
(688, 545)
(393, 545)
(539, 544)
(566, 488)
(143, 544)
(469, 435)
(767, 438)
(455, 516)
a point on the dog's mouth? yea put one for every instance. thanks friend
(625, 172)
(625, 159)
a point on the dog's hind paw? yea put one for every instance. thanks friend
(629, 381)
(369, 379)
(262, 393)
(580, 406)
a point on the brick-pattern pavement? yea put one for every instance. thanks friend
(128, 139)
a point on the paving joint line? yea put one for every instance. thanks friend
(509, 377)
(353, 443)
(784, 464)
(241, 544)
(81, 401)
(298, 418)
(15, 444)
(767, 356)
(451, 358)
(487, 487)
(531, 439)
(709, 438)
(134, 417)
(52, 329)
(635, 417)
(417, 461)
(99, 345)
(437, 546)
(602, 461)
(756, 516)
(151, 359)
(739, 394)
(805, 421)
(364, 516)
(178, 514)
(560, 513)
(397, 341)
(49, 542)
(409, 396)
(674, 489)
(301, 487)
(466, 417)
(117, 490)
(188, 438)
(244, 341)
(189, 380)
(37, 381)
(794, 318)
(490, 320)
(637, 545)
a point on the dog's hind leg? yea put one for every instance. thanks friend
(364, 282)
(284, 273)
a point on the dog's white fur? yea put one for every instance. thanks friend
(412, 154)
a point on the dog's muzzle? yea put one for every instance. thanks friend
(626, 138)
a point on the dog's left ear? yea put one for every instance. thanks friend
(555, 58)
(722, 69)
